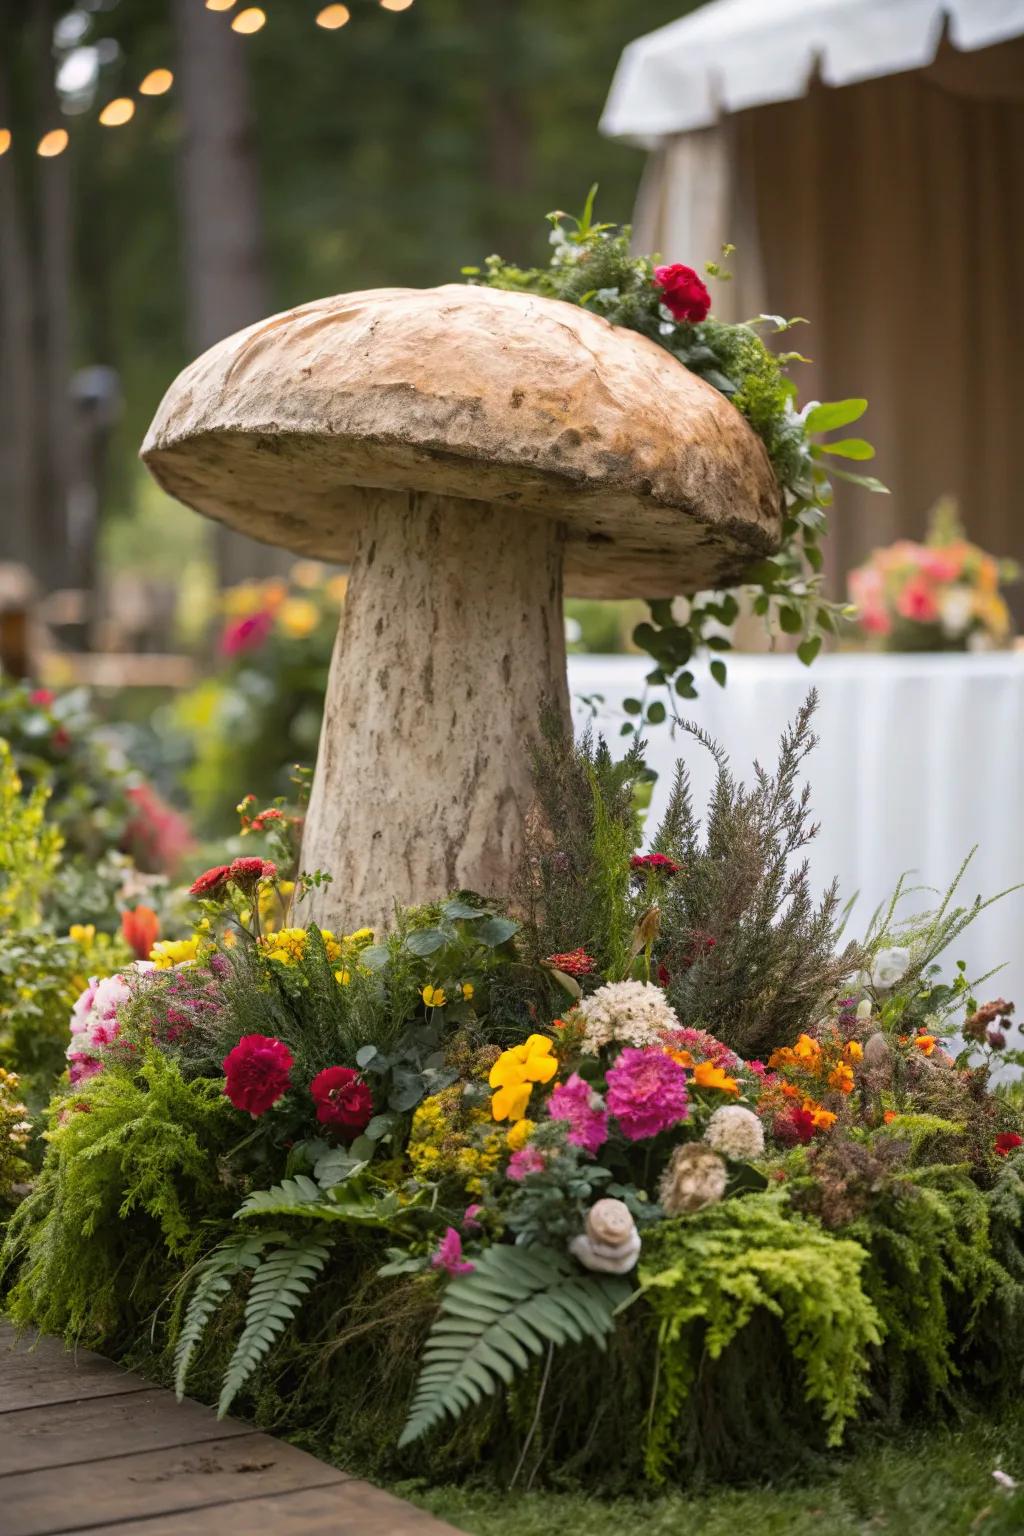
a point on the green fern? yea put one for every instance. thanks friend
(215, 1274)
(278, 1287)
(514, 1303)
(302, 1196)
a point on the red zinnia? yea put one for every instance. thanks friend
(683, 293)
(343, 1099)
(1007, 1142)
(576, 962)
(141, 928)
(249, 871)
(658, 863)
(257, 1073)
(211, 882)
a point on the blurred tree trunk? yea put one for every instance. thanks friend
(225, 260)
(500, 25)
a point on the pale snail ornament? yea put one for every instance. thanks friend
(610, 1242)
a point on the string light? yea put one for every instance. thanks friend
(118, 112)
(53, 143)
(395, 5)
(156, 83)
(5, 140)
(249, 21)
(333, 16)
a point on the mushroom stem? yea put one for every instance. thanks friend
(451, 644)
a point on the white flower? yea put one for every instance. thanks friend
(735, 1132)
(956, 610)
(695, 1177)
(890, 967)
(611, 1243)
(628, 1012)
(864, 1008)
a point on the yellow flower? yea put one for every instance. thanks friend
(841, 1078)
(515, 1072)
(287, 946)
(855, 1051)
(925, 1043)
(82, 933)
(298, 617)
(336, 588)
(360, 937)
(467, 991)
(434, 997)
(170, 952)
(823, 1118)
(307, 573)
(243, 599)
(343, 977)
(519, 1134)
(707, 1075)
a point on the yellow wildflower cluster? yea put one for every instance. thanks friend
(449, 1139)
(171, 952)
(519, 1134)
(288, 945)
(832, 1063)
(515, 1072)
(436, 997)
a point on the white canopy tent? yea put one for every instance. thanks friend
(866, 157)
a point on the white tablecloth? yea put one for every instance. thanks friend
(920, 758)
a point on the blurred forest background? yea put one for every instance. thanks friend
(279, 167)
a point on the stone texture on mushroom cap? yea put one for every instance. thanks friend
(285, 429)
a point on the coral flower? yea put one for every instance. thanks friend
(141, 929)
(917, 601)
(342, 1099)
(449, 1255)
(257, 1072)
(211, 882)
(515, 1072)
(1007, 1142)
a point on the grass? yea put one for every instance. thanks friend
(928, 1484)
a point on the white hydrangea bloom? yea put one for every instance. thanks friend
(628, 1013)
(735, 1132)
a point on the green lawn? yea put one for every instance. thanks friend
(937, 1484)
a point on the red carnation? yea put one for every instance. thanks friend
(683, 292)
(342, 1098)
(1007, 1142)
(211, 882)
(248, 872)
(257, 1073)
(657, 863)
(575, 963)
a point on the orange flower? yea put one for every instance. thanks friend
(889, 1116)
(707, 1075)
(823, 1118)
(790, 1092)
(854, 1051)
(925, 1043)
(141, 928)
(841, 1078)
(682, 1057)
(805, 1054)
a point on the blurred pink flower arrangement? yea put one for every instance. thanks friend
(942, 595)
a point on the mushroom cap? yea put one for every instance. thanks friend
(284, 430)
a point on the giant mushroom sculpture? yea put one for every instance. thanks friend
(472, 454)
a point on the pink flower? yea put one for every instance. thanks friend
(576, 1102)
(246, 634)
(939, 565)
(469, 1218)
(654, 864)
(917, 602)
(257, 1073)
(42, 698)
(528, 1159)
(156, 835)
(646, 1092)
(449, 1255)
(703, 1046)
(82, 1066)
(248, 872)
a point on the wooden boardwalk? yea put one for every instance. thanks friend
(87, 1447)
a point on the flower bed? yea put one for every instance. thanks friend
(630, 1176)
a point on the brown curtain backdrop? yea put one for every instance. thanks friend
(891, 215)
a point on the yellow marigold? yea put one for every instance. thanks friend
(840, 1079)
(806, 1054)
(82, 933)
(707, 1075)
(519, 1134)
(361, 937)
(855, 1051)
(170, 952)
(287, 946)
(434, 997)
(515, 1072)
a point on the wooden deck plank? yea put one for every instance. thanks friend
(348, 1509)
(27, 1385)
(66, 1434)
(164, 1482)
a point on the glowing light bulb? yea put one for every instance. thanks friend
(53, 143)
(249, 21)
(333, 16)
(395, 5)
(5, 140)
(156, 83)
(118, 112)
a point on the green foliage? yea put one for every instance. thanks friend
(514, 1303)
(302, 1196)
(213, 1277)
(774, 968)
(278, 1287)
(131, 1178)
(707, 1275)
(29, 847)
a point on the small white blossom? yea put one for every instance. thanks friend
(628, 1012)
(956, 610)
(890, 967)
(736, 1132)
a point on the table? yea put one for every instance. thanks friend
(920, 758)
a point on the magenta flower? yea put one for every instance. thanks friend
(646, 1093)
(449, 1255)
(469, 1218)
(526, 1160)
(576, 1102)
(246, 634)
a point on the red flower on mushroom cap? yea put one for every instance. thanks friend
(342, 1099)
(1007, 1142)
(211, 882)
(683, 293)
(257, 1072)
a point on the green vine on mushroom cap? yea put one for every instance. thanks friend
(592, 266)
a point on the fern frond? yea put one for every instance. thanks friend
(277, 1289)
(302, 1196)
(215, 1274)
(515, 1303)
